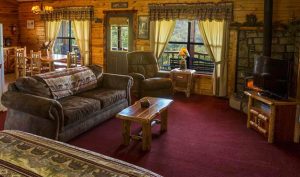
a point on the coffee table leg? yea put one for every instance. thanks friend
(126, 131)
(147, 136)
(164, 121)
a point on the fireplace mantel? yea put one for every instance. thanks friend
(246, 28)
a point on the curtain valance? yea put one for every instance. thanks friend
(70, 13)
(197, 11)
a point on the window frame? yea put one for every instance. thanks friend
(189, 44)
(120, 47)
(69, 38)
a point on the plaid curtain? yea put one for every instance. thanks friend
(70, 13)
(198, 11)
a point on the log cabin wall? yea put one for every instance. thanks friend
(283, 11)
(9, 18)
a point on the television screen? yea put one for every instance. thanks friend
(272, 76)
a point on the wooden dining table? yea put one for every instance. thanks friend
(54, 58)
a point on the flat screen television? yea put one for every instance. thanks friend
(271, 76)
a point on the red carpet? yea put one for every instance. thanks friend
(206, 138)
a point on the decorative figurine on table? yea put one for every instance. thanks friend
(45, 48)
(183, 54)
(145, 103)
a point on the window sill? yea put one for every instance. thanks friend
(201, 75)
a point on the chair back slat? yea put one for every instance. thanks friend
(20, 63)
(21, 50)
(35, 62)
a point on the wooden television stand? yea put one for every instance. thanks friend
(275, 119)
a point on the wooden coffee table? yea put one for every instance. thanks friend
(145, 117)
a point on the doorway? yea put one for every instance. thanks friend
(119, 41)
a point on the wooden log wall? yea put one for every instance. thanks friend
(283, 11)
(9, 17)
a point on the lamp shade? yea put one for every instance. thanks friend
(41, 9)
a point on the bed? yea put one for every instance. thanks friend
(24, 154)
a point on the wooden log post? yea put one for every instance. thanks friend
(126, 131)
(164, 121)
(268, 13)
(147, 136)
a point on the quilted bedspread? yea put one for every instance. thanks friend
(24, 154)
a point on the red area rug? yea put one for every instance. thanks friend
(205, 138)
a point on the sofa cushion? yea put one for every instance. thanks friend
(106, 96)
(156, 83)
(33, 86)
(78, 108)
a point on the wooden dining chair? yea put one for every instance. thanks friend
(35, 62)
(5, 60)
(72, 59)
(21, 66)
(21, 50)
(13, 54)
(82, 59)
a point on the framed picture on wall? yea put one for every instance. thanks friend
(143, 27)
(119, 5)
(30, 24)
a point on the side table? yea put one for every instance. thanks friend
(182, 80)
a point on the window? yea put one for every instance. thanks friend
(119, 38)
(186, 34)
(65, 41)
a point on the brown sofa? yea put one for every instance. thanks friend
(32, 107)
(148, 80)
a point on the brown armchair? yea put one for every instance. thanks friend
(148, 80)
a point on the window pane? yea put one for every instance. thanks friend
(75, 49)
(119, 38)
(64, 29)
(198, 37)
(201, 61)
(61, 46)
(199, 58)
(169, 59)
(174, 47)
(200, 49)
(124, 36)
(114, 37)
(164, 60)
(180, 33)
(72, 33)
(74, 46)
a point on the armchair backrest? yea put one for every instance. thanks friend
(142, 62)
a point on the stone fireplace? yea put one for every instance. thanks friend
(296, 71)
(250, 45)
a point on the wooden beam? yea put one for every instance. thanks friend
(14, 2)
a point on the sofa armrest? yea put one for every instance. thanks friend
(35, 105)
(120, 82)
(164, 74)
(137, 83)
(137, 76)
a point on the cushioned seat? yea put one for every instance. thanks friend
(107, 97)
(148, 80)
(77, 108)
(156, 83)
